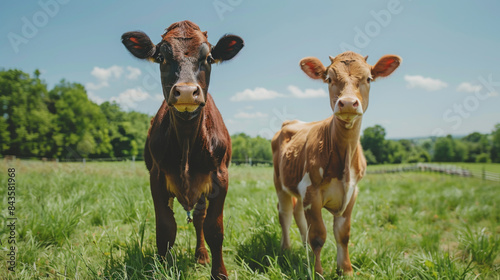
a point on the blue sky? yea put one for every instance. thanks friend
(448, 83)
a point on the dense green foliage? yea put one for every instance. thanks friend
(62, 122)
(96, 221)
(251, 150)
(475, 147)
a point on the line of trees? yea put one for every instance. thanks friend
(475, 147)
(36, 122)
(251, 150)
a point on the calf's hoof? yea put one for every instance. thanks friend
(346, 272)
(220, 276)
(202, 256)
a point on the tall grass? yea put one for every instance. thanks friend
(96, 221)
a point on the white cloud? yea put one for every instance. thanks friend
(468, 87)
(493, 94)
(128, 98)
(255, 94)
(426, 83)
(103, 74)
(245, 115)
(92, 86)
(97, 99)
(159, 97)
(308, 93)
(134, 73)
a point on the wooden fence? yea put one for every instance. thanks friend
(440, 168)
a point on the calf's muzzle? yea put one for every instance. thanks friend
(186, 97)
(348, 109)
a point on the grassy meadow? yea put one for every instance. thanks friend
(96, 221)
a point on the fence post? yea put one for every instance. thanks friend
(484, 173)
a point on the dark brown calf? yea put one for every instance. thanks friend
(188, 148)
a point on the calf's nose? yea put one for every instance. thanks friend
(348, 104)
(186, 97)
(186, 93)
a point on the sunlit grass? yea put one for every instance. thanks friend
(96, 221)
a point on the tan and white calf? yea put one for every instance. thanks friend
(318, 165)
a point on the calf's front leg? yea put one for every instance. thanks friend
(199, 215)
(342, 230)
(317, 230)
(213, 226)
(166, 227)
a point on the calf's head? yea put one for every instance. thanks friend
(348, 78)
(185, 57)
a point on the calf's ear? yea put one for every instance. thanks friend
(386, 65)
(227, 47)
(139, 44)
(313, 68)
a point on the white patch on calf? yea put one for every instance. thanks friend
(321, 172)
(340, 255)
(309, 206)
(303, 185)
(350, 191)
(339, 222)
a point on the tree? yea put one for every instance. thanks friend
(495, 147)
(127, 130)
(483, 158)
(240, 147)
(428, 146)
(447, 149)
(370, 158)
(82, 127)
(395, 151)
(26, 121)
(477, 144)
(424, 156)
(63, 122)
(4, 136)
(246, 148)
(461, 151)
(443, 149)
(261, 149)
(373, 139)
(474, 137)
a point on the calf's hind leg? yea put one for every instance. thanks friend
(285, 209)
(300, 219)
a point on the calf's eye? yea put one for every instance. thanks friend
(159, 58)
(210, 59)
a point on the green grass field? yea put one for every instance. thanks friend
(96, 221)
